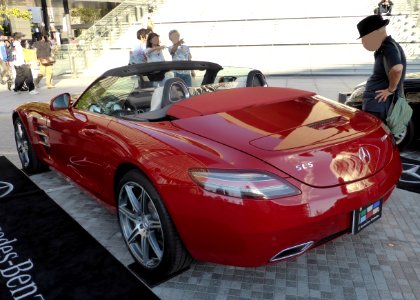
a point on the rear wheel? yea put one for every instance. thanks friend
(147, 228)
(30, 162)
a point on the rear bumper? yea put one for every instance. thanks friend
(250, 233)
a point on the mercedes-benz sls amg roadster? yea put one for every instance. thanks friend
(227, 170)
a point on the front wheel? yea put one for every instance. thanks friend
(30, 161)
(147, 228)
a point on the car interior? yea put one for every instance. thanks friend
(148, 97)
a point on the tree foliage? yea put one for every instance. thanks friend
(87, 15)
(9, 12)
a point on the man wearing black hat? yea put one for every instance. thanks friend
(383, 85)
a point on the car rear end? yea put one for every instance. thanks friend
(323, 170)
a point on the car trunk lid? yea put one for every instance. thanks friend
(312, 139)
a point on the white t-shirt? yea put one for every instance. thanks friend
(18, 53)
(137, 55)
(153, 56)
(181, 53)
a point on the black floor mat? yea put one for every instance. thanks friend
(410, 178)
(45, 254)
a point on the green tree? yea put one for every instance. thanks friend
(9, 12)
(87, 15)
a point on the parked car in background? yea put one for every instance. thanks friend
(412, 94)
(227, 170)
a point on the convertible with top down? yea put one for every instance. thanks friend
(227, 170)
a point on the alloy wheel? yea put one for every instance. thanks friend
(22, 144)
(140, 224)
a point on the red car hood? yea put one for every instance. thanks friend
(313, 140)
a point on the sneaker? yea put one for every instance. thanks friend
(33, 92)
(16, 92)
(51, 87)
(400, 136)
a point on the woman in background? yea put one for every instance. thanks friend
(153, 49)
(44, 55)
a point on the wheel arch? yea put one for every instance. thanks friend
(123, 169)
(119, 174)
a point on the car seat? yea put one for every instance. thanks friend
(174, 90)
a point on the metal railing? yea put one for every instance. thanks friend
(74, 58)
(128, 11)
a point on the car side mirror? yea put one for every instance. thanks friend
(61, 101)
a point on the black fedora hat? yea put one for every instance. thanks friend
(370, 24)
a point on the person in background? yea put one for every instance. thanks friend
(137, 55)
(382, 87)
(384, 7)
(150, 24)
(23, 71)
(4, 62)
(179, 51)
(153, 48)
(10, 58)
(44, 52)
(29, 54)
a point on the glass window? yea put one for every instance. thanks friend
(108, 95)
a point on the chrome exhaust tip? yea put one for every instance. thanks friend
(292, 251)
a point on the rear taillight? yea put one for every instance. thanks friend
(243, 184)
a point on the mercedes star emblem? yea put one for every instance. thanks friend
(5, 188)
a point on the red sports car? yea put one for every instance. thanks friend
(226, 170)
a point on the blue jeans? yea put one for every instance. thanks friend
(185, 77)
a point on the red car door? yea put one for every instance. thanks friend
(78, 142)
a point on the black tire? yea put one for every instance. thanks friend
(409, 137)
(30, 161)
(146, 224)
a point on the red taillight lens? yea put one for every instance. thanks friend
(243, 184)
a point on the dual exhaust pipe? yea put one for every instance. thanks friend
(292, 251)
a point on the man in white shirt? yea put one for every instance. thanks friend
(179, 51)
(23, 71)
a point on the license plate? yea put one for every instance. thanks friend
(366, 215)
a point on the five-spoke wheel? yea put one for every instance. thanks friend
(30, 162)
(140, 224)
(147, 228)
